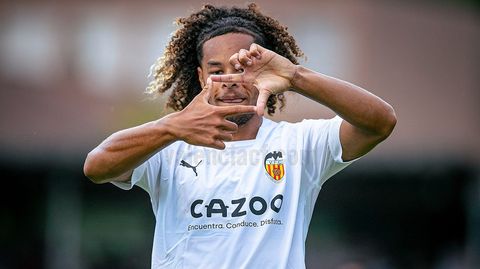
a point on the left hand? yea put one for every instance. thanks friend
(268, 71)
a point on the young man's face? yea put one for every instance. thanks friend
(216, 54)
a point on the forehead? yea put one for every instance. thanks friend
(221, 47)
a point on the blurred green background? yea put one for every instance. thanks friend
(73, 72)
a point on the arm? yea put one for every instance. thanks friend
(368, 119)
(116, 157)
(199, 124)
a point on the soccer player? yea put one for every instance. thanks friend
(230, 188)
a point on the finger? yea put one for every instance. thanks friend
(254, 51)
(235, 62)
(224, 136)
(229, 126)
(207, 89)
(262, 101)
(237, 110)
(244, 57)
(218, 144)
(238, 78)
(258, 47)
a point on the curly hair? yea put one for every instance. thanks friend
(177, 68)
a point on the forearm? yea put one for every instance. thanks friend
(357, 106)
(124, 150)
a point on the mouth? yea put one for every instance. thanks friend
(232, 100)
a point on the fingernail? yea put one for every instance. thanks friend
(249, 62)
(238, 66)
(259, 57)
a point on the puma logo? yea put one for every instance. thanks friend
(194, 168)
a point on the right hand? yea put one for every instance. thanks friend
(203, 124)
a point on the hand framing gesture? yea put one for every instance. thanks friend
(203, 124)
(268, 71)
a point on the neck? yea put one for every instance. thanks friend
(248, 130)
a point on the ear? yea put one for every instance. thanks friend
(200, 76)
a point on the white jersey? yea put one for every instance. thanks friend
(248, 206)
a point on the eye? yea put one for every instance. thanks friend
(216, 72)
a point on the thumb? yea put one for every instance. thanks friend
(263, 96)
(207, 89)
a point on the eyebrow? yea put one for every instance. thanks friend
(214, 63)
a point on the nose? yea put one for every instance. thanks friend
(229, 85)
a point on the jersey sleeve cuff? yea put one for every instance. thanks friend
(334, 143)
(137, 175)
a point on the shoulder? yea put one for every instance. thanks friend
(320, 125)
(303, 124)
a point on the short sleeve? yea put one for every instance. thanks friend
(322, 150)
(145, 176)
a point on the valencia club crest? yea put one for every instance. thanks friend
(274, 165)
